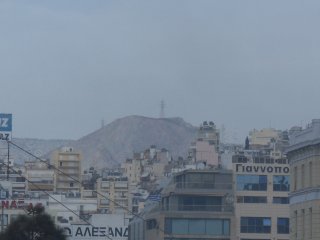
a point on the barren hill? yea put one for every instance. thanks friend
(118, 140)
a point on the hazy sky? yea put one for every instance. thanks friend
(65, 65)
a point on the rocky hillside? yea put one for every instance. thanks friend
(117, 141)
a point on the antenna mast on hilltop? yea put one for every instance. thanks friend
(162, 106)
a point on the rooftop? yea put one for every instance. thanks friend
(303, 137)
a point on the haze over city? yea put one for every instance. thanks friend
(159, 120)
(65, 66)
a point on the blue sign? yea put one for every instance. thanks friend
(5, 126)
(5, 122)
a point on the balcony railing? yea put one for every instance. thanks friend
(199, 208)
(203, 185)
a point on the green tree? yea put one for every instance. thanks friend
(36, 225)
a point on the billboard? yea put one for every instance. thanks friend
(104, 226)
(5, 126)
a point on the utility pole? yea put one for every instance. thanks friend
(8, 161)
(2, 215)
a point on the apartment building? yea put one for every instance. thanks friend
(40, 178)
(68, 163)
(133, 170)
(114, 194)
(206, 147)
(17, 181)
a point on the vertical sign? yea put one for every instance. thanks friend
(5, 126)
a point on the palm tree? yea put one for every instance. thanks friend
(36, 225)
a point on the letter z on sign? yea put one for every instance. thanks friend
(5, 122)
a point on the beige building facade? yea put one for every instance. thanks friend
(117, 196)
(263, 137)
(40, 176)
(133, 170)
(206, 147)
(68, 173)
(304, 157)
(261, 199)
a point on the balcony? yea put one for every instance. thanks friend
(121, 185)
(41, 187)
(200, 208)
(201, 187)
(69, 167)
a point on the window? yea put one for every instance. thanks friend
(269, 160)
(302, 223)
(204, 181)
(252, 182)
(104, 201)
(212, 227)
(251, 199)
(198, 180)
(295, 178)
(302, 176)
(281, 183)
(283, 225)
(60, 164)
(151, 224)
(218, 227)
(180, 226)
(197, 226)
(71, 184)
(135, 209)
(255, 225)
(310, 174)
(197, 203)
(280, 200)
(310, 223)
(296, 224)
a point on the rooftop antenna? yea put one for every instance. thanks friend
(102, 123)
(162, 106)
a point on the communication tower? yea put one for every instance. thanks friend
(162, 106)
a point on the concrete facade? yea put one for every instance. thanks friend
(261, 200)
(133, 170)
(304, 156)
(116, 190)
(68, 163)
(263, 137)
(195, 205)
(206, 147)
